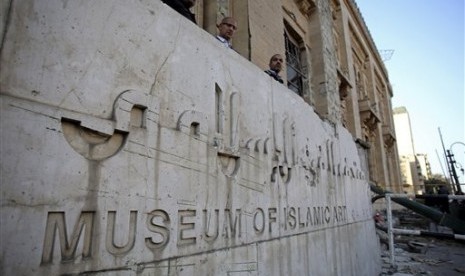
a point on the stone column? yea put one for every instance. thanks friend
(324, 64)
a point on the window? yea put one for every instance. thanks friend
(295, 75)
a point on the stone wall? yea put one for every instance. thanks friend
(133, 143)
(343, 75)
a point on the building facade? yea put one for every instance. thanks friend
(133, 143)
(332, 62)
(424, 166)
(412, 172)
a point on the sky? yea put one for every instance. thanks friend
(426, 70)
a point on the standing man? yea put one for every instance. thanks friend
(182, 6)
(226, 30)
(276, 65)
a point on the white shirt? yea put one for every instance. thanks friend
(224, 41)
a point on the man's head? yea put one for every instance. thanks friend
(188, 3)
(227, 27)
(276, 63)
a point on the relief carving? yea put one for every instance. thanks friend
(86, 138)
(193, 123)
(307, 7)
(284, 155)
(213, 226)
(110, 243)
(226, 139)
(311, 174)
(223, 9)
(91, 144)
(259, 145)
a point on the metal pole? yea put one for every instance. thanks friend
(453, 164)
(390, 232)
(452, 186)
(440, 163)
(450, 159)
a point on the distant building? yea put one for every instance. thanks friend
(424, 165)
(411, 169)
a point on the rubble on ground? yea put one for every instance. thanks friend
(419, 255)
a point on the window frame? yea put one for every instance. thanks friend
(294, 54)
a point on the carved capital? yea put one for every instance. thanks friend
(344, 84)
(388, 136)
(368, 114)
(307, 7)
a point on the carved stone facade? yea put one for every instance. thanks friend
(345, 79)
(133, 143)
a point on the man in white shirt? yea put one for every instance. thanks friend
(226, 30)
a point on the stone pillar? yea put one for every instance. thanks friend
(323, 54)
(241, 40)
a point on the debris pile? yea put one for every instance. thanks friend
(418, 255)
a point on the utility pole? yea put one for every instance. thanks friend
(452, 186)
(451, 161)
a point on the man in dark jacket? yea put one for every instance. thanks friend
(182, 6)
(276, 65)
